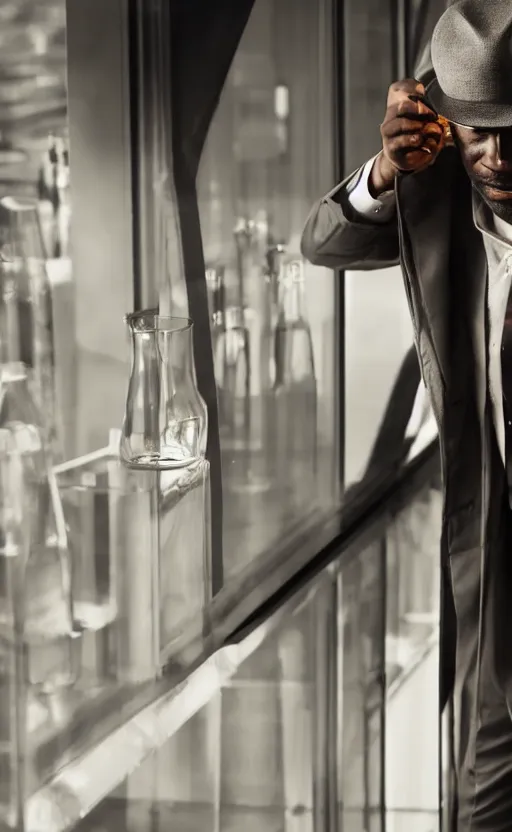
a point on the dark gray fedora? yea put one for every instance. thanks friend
(472, 60)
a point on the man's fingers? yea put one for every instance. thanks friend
(412, 152)
(415, 105)
(402, 89)
(398, 126)
(405, 142)
(433, 143)
(412, 136)
(409, 109)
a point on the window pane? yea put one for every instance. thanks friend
(36, 358)
(412, 664)
(361, 672)
(78, 593)
(64, 133)
(268, 154)
(388, 662)
(34, 188)
(251, 758)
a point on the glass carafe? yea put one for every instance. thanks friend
(165, 422)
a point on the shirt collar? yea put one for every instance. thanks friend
(503, 229)
(489, 224)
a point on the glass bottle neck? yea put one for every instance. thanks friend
(215, 281)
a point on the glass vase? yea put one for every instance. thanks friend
(165, 422)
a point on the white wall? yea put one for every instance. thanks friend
(378, 333)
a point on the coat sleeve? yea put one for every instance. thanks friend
(336, 237)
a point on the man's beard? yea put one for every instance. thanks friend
(501, 206)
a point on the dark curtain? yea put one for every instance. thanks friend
(204, 38)
(423, 20)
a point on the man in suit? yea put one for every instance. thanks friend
(443, 210)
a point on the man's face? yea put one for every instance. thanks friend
(487, 157)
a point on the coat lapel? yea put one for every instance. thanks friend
(469, 286)
(426, 216)
(448, 256)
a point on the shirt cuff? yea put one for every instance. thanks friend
(363, 203)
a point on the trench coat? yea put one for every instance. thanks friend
(442, 257)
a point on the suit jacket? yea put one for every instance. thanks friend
(444, 269)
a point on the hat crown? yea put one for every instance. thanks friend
(472, 51)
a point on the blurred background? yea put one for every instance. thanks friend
(258, 645)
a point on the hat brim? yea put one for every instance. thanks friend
(468, 113)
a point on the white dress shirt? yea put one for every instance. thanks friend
(497, 237)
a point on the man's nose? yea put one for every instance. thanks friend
(501, 149)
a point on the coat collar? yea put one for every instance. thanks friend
(489, 224)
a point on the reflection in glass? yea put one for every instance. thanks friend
(184, 564)
(54, 198)
(361, 645)
(36, 564)
(96, 595)
(87, 508)
(413, 580)
(412, 662)
(266, 158)
(388, 671)
(248, 380)
(252, 757)
(37, 647)
(309, 718)
(90, 616)
(26, 315)
(109, 516)
(165, 421)
(295, 383)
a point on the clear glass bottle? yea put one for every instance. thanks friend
(253, 245)
(165, 423)
(247, 376)
(54, 198)
(215, 282)
(276, 257)
(295, 438)
(26, 319)
(234, 391)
